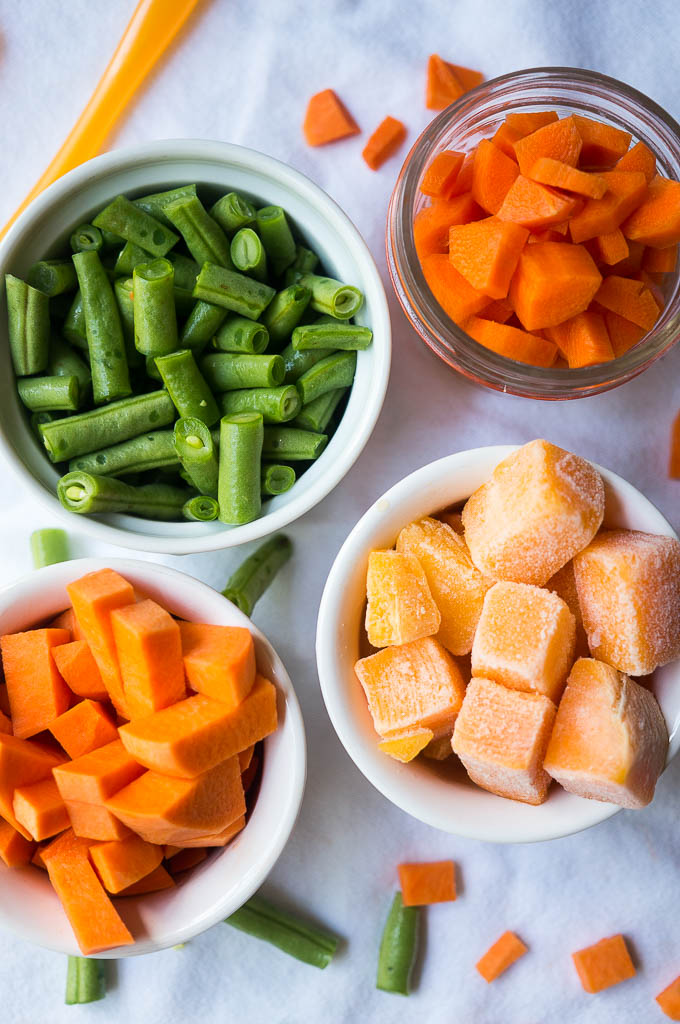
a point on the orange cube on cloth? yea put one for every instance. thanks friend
(83, 728)
(500, 956)
(384, 142)
(37, 693)
(219, 661)
(426, 883)
(605, 964)
(327, 119)
(400, 605)
(669, 1000)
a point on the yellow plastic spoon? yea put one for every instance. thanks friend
(153, 26)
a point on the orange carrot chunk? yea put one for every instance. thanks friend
(559, 140)
(67, 620)
(669, 1000)
(674, 461)
(535, 206)
(517, 126)
(468, 78)
(500, 956)
(660, 261)
(512, 342)
(5, 723)
(611, 247)
(245, 757)
(384, 142)
(630, 299)
(623, 334)
(638, 158)
(602, 143)
(625, 191)
(500, 311)
(187, 858)
(15, 850)
(94, 920)
(217, 838)
(93, 777)
(553, 282)
(219, 660)
(84, 727)
(492, 175)
(486, 252)
(443, 85)
(79, 670)
(552, 172)
(656, 221)
(93, 821)
(21, 764)
(37, 693)
(327, 119)
(605, 964)
(425, 883)
(40, 809)
(149, 649)
(453, 293)
(583, 340)
(155, 881)
(121, 863)
(463, 182)
(432, 223)
(442, 173)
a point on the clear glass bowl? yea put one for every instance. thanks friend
(461, 126)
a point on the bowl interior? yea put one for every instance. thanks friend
(440, 794)
(219, 885)
(216, 168)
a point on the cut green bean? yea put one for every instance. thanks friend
(305, 260)
(28, 313)
(345, 337)
(398, 948)
(129, 257)
(154, 450)
(233, 291)
(204, 238)
(105, 340)
(276, 479)
(277, 405)
(239, 334)
(304, 941)
(233, 212)
(152, 370)
(89, 431)
(317, 415)
(135, 225)
(85, 980)
(53, 277)
(49, 394)
(86, 238)
(123, 290)
(246, 586)
(248, 255)
(196, 450)
(87, 493)
(156, 203)
(155, 318)
(37, 420)
(229, 371)
(297, 363)
(187, 386)
(277, 237)
(186, 271)
(73, 327)
(49, 546)
(203, 322)
(64, 361)
(338, 300)
(239, 476)
(201, 508)
(292, 444)
(284, 312)
(336, 371)
(111, 241)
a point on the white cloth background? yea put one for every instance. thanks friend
(243, 73)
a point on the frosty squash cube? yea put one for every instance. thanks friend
(414, 686)
(541, 506)
(525, 639)
(629, 591)
(400, 604)
(407, 745)
(610, 739)
(456, 584)
(563, 583)
(501, 736)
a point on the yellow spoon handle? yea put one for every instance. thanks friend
(153, 26)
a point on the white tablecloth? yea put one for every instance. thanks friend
(243, 73)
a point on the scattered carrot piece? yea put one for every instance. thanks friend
(674, 461)
(512, 342)
(327, 119)
(604, 964)
(384, 142)
(442, 173)
(432, 223)
(656, 221)
(79, 670)
(492, 175)
(486, 252)
(552, 172)
(602, 143)
(638, 158)
(40, 809)
(553, 282)
(559, 140)
(669, 1000)
(443, 85)
(468, 78)
(583, 340)
(500, 956)
(15, 850)
(37, 693)
(630, 299)
(83, 728)
(453, 293)
(535, 206)
(426, 883)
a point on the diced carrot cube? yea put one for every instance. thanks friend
(15, 850)
(37, 693)
(432, 223)
(553, 282)
(602, 143)
(453, 293)
(656, 221)
(559, 140)
(327, 119)
(216, 838)
(623, 334)
(463, 183)
(442, 173)
(625, 191)
(638, 158)
(552, 172)
(605, 964)
(245, 757)
(500, 956)
(429, 882)
(512, 342)
(492, 175)
(500, 310)
(219, 660)
(517, 125)
(468, 78)
(630, 299)
(486, 253)
(83, 728)
(611, 247)
(535, 206)
(583, 340)
(40, 809)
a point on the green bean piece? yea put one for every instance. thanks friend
(239, 477)
(229, 371)
(201, 508)
(233, 212)
(317, 415)
(85, 980)
(185, 476)
(86, 238)
(233, 291)
(187, 386)
(53, 277)
(203, 322)
(111, 241)
(239, 334)
(155, 318)
(398, 948)
(297, 363)
(89, 431)
(345, 337)
(197, 452)
(123, 291)
(86, 493)
(338, 300)
(153, 450)
(336, 371)
(248, 255)
(276, 479)
(186, 271)
(248, 583)
(49, 546)
(105, 341)
(292, 444)
(277, 237)
(155, 203)
(129, 257)
(49, 394)
(304, 941)
(305, 260)
(73, 327)
(204, 238)
(37, 420)
(277, 405)
(152, 370)
(284, 312)
(64, 361)
(135, 225)
(28, 312)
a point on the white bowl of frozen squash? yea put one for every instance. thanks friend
(510, 674)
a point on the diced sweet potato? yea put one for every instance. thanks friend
(15, 850)
(79, 669)
(93, 821)
(93, 777)
(22, 762)
(37, 693)
(83, 728)
(121, 863)
(219, 660)
(149, 651)
(406, 745)
(40, 809)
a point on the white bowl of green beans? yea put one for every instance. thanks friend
(195, 346)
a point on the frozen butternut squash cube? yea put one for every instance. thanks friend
(452, 519)
(439, 749)
(541, 506)
(456, 584)
(563, 583)
(610, 739)
(629, 590)
(501, 736)
(407, 745)
(400, 605)
(414, 686)
(525, 639)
